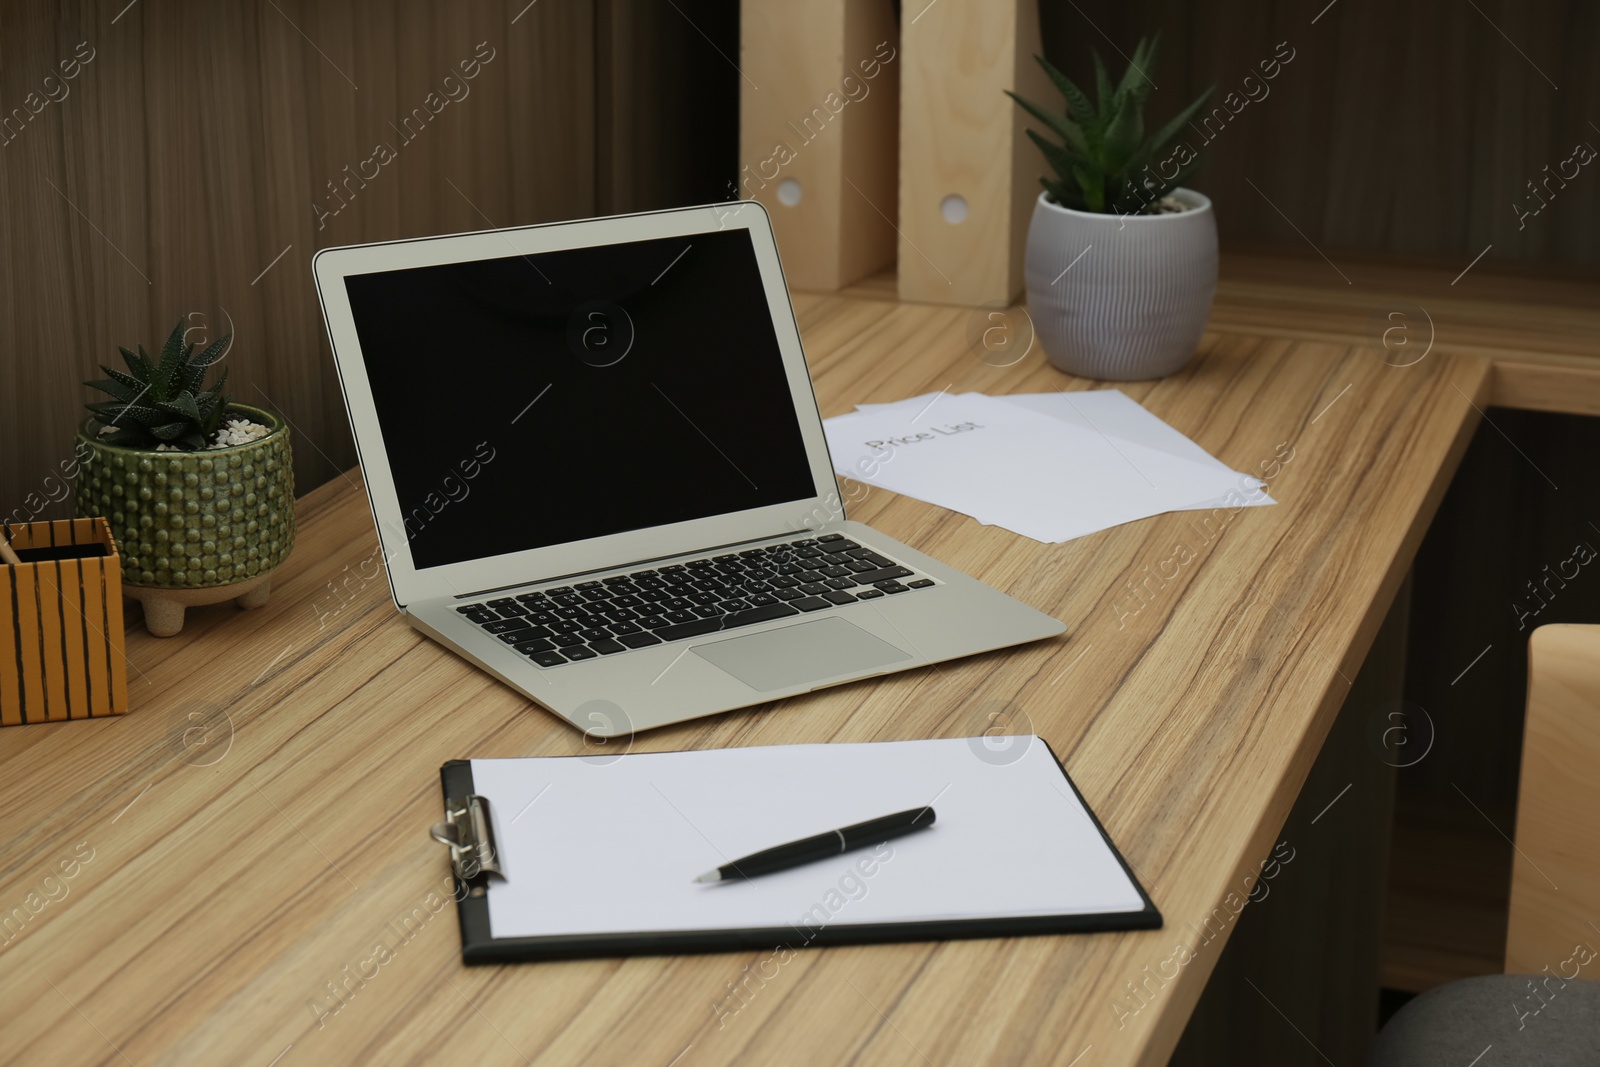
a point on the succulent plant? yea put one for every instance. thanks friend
(1105, 163)
(163, 402)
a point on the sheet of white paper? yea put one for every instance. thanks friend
(592, 846)
(1006, 465)
(1120, 416)
(1116, 414)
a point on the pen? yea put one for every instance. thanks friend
(832, 843)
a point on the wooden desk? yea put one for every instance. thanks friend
(237, 877)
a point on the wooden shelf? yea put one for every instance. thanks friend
(1541, 327)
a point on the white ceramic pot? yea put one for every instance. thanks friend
(1119, 297)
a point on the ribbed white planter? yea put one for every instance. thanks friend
(1138, 292)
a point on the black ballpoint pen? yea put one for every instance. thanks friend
(832, 843)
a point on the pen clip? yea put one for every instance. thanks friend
(468, 832)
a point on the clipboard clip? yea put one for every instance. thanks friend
(467, 831)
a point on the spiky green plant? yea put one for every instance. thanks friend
(164, 402)
(1105, 163)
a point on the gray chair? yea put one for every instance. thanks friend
(1495, 1020)
(1548, 1011)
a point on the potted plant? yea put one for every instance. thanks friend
(1121, 260)
(199, 490)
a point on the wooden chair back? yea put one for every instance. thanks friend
(1555, 880)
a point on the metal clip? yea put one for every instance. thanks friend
(470, 835)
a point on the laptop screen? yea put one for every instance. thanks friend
(537, 400)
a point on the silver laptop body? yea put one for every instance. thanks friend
(598, 472)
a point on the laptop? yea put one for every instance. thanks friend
(598, 472)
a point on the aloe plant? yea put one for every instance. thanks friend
(1105, 163)
(163, 402)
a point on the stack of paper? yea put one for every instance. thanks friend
(1050, 466)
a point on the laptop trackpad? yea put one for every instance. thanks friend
(798, 654)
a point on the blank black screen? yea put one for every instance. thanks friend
(537, 400)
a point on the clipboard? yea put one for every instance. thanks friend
(531, 885)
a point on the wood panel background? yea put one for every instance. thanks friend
(188, 153)
(668, 94)
(178, 172)
(1400, 126)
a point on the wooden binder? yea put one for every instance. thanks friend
(963, 153)
(817, 120)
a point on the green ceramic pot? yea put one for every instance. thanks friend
(194, 520)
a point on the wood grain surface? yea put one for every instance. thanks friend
(1541, 327)
(242, 842)
(1554, 899)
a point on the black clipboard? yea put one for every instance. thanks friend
(467, 830)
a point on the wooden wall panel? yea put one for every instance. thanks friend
(1405, 127)
(668, 102)
(189, 153)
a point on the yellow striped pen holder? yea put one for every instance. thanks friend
(61, 651)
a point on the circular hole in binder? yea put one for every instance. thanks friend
(789, 192)
(954, 208)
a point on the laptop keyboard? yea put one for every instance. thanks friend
(586, 620)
